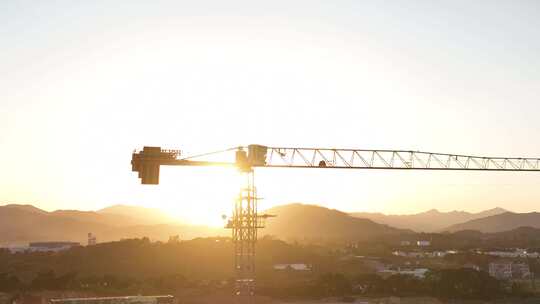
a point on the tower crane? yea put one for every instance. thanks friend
(245, 220)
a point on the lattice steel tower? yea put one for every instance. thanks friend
(244, 224)
(244, 235)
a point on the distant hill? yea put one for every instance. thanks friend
(115, 220)
(299, 221)
(20, 224)
(429, 221)
(501, 222)
(25, 207)
(144, 215)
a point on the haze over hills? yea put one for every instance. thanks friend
(143, 215)
(25, 207)
(500, 222)
(20, 224)
(299, 221)
(429, 221)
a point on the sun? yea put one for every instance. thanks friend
(198, 196)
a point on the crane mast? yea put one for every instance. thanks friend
(245, 220)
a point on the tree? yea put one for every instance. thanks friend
(333, 284)
(368, 283)
(10, 282)
(463, 283)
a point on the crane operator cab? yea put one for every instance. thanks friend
(254, 157)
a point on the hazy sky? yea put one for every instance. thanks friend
(83, 83)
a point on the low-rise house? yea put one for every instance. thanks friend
(43, 247)
(471, 266)
(164, 299)
(374, 265)
(419, 273)
(521, 271)
(420, 254)
(52, 246)
(293, 267)
(408, 254)
(501, 270)
(423, 243)
(405, 243)
(436, 254)
(517, 253)
(16, 249)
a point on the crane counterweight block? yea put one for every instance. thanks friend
(147, 162)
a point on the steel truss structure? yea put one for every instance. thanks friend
(244, 235)
(392, 159)
(245, 220)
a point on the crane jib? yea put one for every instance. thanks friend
(147, 161)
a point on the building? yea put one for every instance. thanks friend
(405, 243)
(117, 300)
(91, 239)
(374, 265)
(517, 253)
(293, 267)
(521, 271)
(471, 266)
(16, 249)
(421, 254)
(507, 270)
(51, 246)
(42, 247)
(419, 273)
(423, 243)
(501, 270)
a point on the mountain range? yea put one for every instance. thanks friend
(500, 222)
(20, 224)
(300, 221)
(429, 221)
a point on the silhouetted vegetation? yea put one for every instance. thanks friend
(454, 283)
(139, 266)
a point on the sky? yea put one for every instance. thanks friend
(84, 83)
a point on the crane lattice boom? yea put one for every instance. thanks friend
(147, 162)
(393, 159)
(245, 220)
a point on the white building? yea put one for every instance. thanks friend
(92, 240)
(52, 246)
(506, 270)
(166, 299)
(423, 243)
(421, 254)
(293, 267)
(43, 247)
(419, 273)
(517, 253)
(501, 270)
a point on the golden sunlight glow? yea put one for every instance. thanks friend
(202, 198)
(72, 114)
